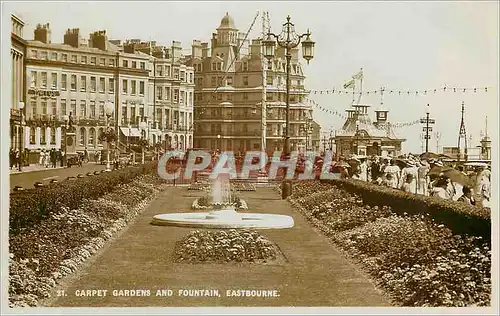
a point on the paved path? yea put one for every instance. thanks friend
(26, 179)
(315, 274)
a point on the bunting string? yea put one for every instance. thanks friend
(343, 116)
(401, 92)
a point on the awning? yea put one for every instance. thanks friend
(130, 132)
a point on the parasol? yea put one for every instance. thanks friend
(342, 164)
(429, 155)
(457, 176)
(435, 171)
(400, 163)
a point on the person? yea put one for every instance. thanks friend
(408, 185)
(394, 170)
(388, 180)
(423, 181)
(412, 170)
(17, 160)
(11, 158)
(466, 196)
(41, 157)
(363, 170)
(63, 158)
(85, 155)
(440, 189)
(485, 187)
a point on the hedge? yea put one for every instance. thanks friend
(30, 207)
(457, 216)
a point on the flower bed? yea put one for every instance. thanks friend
(30, 207)
(225, 246)
(204, 203)
(457, 216)
(42, 255)
(244, 187)
(418, 261)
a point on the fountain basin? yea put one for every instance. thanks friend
(226, 218)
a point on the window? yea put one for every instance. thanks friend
(33, 82)
(167, 71)
(159, 69)
(92, 109)
(33, 108)
(73, 107)
(245, 66)
(63, 107)
(102, 61)
(176, 95)
(125, 86)
(125, 63)
(83, 83)
(43, 55)
(269, 66)
(74, 59)
(64, 58)
(82, 136)
(190, 99)
(229, 97)
(245, 96)
(84, 59)
(101, 131)
(213, 67)
(219, 96)
(245, 81)
(176, 73)
(102, 85)
(52, 135)
(73, 82)
(219, 66)
(141, 112)
(124, 114)
(93, 60)
(159, 91)
(93, 84)
(214, 81)
(42, 135)
(219, 81)
(141, 87)
(44, 107)
(111, 63)
(101, 108)
(32, 136)
(64, 81)
(134, 64)
(54, 80)
(183, 75)
(111, 85)
(34, 54)
(44, 80)
(133, 84)
(91, 136)
(167, 93)
(229, 81)
(83, 109)
(53, 104)
(53, 56)
(181, 99)
(269, 81)
(143, 65)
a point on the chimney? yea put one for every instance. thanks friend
(196, 49)
(42, 33)
(129, 47)
(204, 50)
(72, 38)
(99, 40)
(255, 49)
(176, 50)
(214, 42)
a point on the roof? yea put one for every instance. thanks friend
(352, 126)
(227, 22)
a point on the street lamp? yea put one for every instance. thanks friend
(128, 137)
(143, 126)
(108, 110)
(66, 120)
(288, 39)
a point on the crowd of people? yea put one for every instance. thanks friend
(425, 176)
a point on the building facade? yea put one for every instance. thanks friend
(229, 98)
(17, 54)
(361, 136)
(170, 93)
(78, 78)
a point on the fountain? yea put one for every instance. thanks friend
(224, 214)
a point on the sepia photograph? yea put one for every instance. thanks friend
(219, 157)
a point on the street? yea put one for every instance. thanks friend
(26, 179)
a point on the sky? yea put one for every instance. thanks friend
(400, 46)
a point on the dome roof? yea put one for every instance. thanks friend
(227, 22)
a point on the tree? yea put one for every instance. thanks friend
(108, 135)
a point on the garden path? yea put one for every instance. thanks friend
(315, 273)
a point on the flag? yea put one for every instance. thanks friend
(358, 76)
(349, 84)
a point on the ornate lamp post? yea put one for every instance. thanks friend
(288, 39)
(66, 120)
(143, 126)
(128, 137)
(108, 110)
